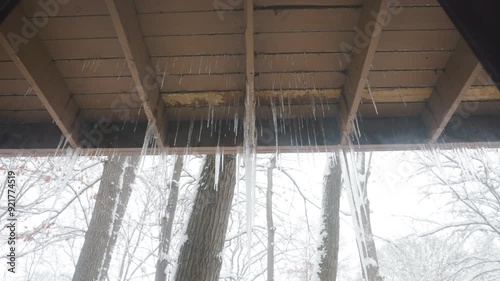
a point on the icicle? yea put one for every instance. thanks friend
(176, 132)
(28, 91)
(371, 96)
(201, 129)
(350, 179)
(163, 78)
(147, 140)
(401, 95)
(217, 168)
(236, 120)
(121, 70)
(238, 191)
(67, 169)
(313, 106)
(357, 130)
(97, 65)
(201, 65)
(136, 122)
(275, 123)
(190, 133)
(250, 150)
(209, 66)
(62, 144)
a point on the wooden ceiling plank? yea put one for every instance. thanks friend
(124, 17)
(461, 71)
(25, 116)
(359, 68)
(19, 38)
(410, 60)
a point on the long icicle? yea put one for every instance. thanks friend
(250, 134)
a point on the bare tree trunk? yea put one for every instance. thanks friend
(111, 203)
(360, 211)
(168, 221)
(270, 223)
(332, 188)
(128, 180)
(200, 256)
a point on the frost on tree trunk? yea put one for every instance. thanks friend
(356, 172)
(111, 203)
(329, 249)
(167, 222)
(200, 255)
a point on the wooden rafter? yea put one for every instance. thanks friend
(124, 17)
(460, 72)
(6, 6)
(33, 61)
(357, 73)
(250, 101)
(477, 21)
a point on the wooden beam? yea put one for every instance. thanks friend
(460, 72)
(300, 3)
(124, 17)
(18, 35)
(362, 57)
(293, 135)
(477, 21)
(7, 6)
(250, 100)
(116, 135)
(323, 97)
(51, 152)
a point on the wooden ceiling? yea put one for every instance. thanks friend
(181, 63)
